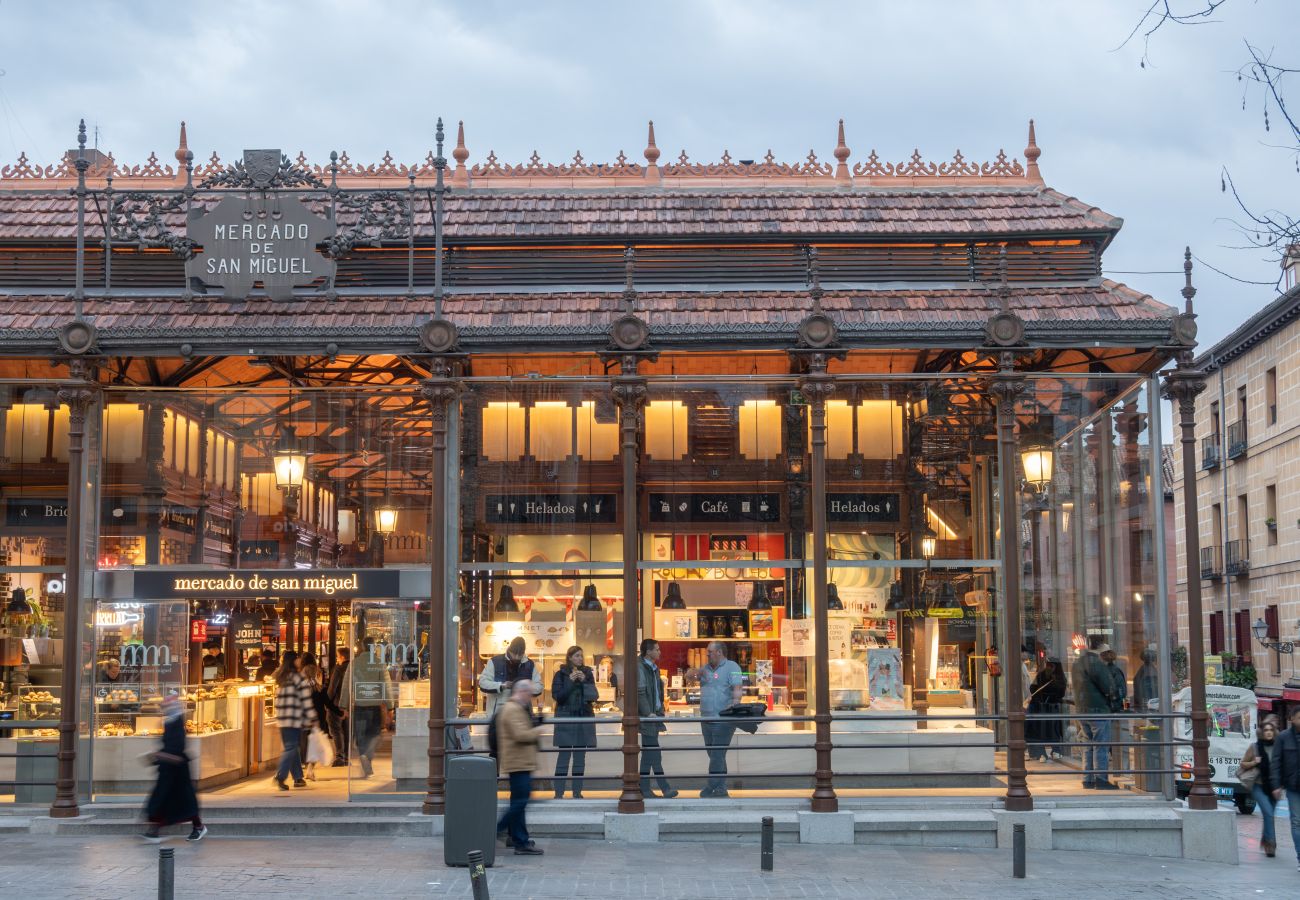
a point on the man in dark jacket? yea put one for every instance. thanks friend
(503, 670)
(1288, 776)
(1094, 690)
(650, 702)
(338, 715)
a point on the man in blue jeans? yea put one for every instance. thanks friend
(720, 687)
(1094, 691)
(1288, 767)
(517, 740)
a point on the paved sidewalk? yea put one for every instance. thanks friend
(45, 868)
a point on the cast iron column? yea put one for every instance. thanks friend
(78, 397)
(629, 390)
(816, 387)
(1007, 386)
(441, 390)
(1182, 386)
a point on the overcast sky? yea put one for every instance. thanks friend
(1143, 144)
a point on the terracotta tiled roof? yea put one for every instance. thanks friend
(696, 213)
(582, 314)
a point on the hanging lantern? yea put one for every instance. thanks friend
(290, 463)
(590, 602)
(929, 541)
(386, 519)
(759, 600)
(673, 599)
(18, 605)
(833, 600)
(1036, 458)
(506, 601)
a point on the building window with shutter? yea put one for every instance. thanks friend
(1216, 633)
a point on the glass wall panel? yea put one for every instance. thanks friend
(1089, 561)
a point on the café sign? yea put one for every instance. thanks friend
(715, 507)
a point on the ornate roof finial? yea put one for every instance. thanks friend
(651, 156)
(651, 151)
(629, 278)
(183, 147)
(814, 280)
(460, 154)
(842, 155)
(1188, 290)
(1031, 157)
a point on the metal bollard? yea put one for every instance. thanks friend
(765, 855)
(1018, 850)
(478, 875)
(166, 873)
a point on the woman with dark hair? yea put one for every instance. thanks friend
(294, 714)
(1046, 695)
(573, 689)
(173, 798)
(1261, 758)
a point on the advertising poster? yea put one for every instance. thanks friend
(885, 676)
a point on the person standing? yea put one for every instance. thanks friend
(1092, 685)
(720, 687)
(1146, 682)
(1118, 698)
(1046, 695)
(573, 689)
(1287, 753)
(371, 709)
(503, 670)
(1261, 758)
(650, 702)
(518, 737)
(173, 798)
(294, 714)
(338, 717)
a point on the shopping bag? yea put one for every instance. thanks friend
(319, 748)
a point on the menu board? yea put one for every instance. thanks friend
(541, 638)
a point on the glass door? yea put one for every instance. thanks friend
(387, 698)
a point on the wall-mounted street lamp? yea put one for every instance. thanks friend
(1270, 641)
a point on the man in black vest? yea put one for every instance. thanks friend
(503, 670)
(1287, 748)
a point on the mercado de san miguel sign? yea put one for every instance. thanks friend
(258, 236)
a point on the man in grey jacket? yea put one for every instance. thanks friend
(650, 702)
(1094, 693)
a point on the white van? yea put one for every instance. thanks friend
(1232, 729)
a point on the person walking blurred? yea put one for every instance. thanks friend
(173, 798)
(518, 736)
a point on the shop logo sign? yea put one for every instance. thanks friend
(145, 655)
(267, 238)
(394, 654)
(551, 509)
(715, 508)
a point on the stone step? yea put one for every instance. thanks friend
(271, 809)
(14, 825)
(357, 826)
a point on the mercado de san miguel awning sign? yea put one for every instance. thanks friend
(259, 236)
(162, 584)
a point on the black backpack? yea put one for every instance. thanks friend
(492, 734)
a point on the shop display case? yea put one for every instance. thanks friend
(219, 718)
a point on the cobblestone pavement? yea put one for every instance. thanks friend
(106, 868)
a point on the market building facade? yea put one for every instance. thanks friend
(830, 416)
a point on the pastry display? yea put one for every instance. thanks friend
(114, 729)
(120, 696)
(39, 697)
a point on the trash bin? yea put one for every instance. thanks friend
(471, 820)
(1148, 758)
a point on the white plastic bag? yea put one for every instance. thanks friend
(320, 749)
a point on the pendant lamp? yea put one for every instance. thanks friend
(896, 600)
(833, 600)
(590, 602)
(506, 601)
(673, 599)
(759, 600)
(947, 596)
(18, 605)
